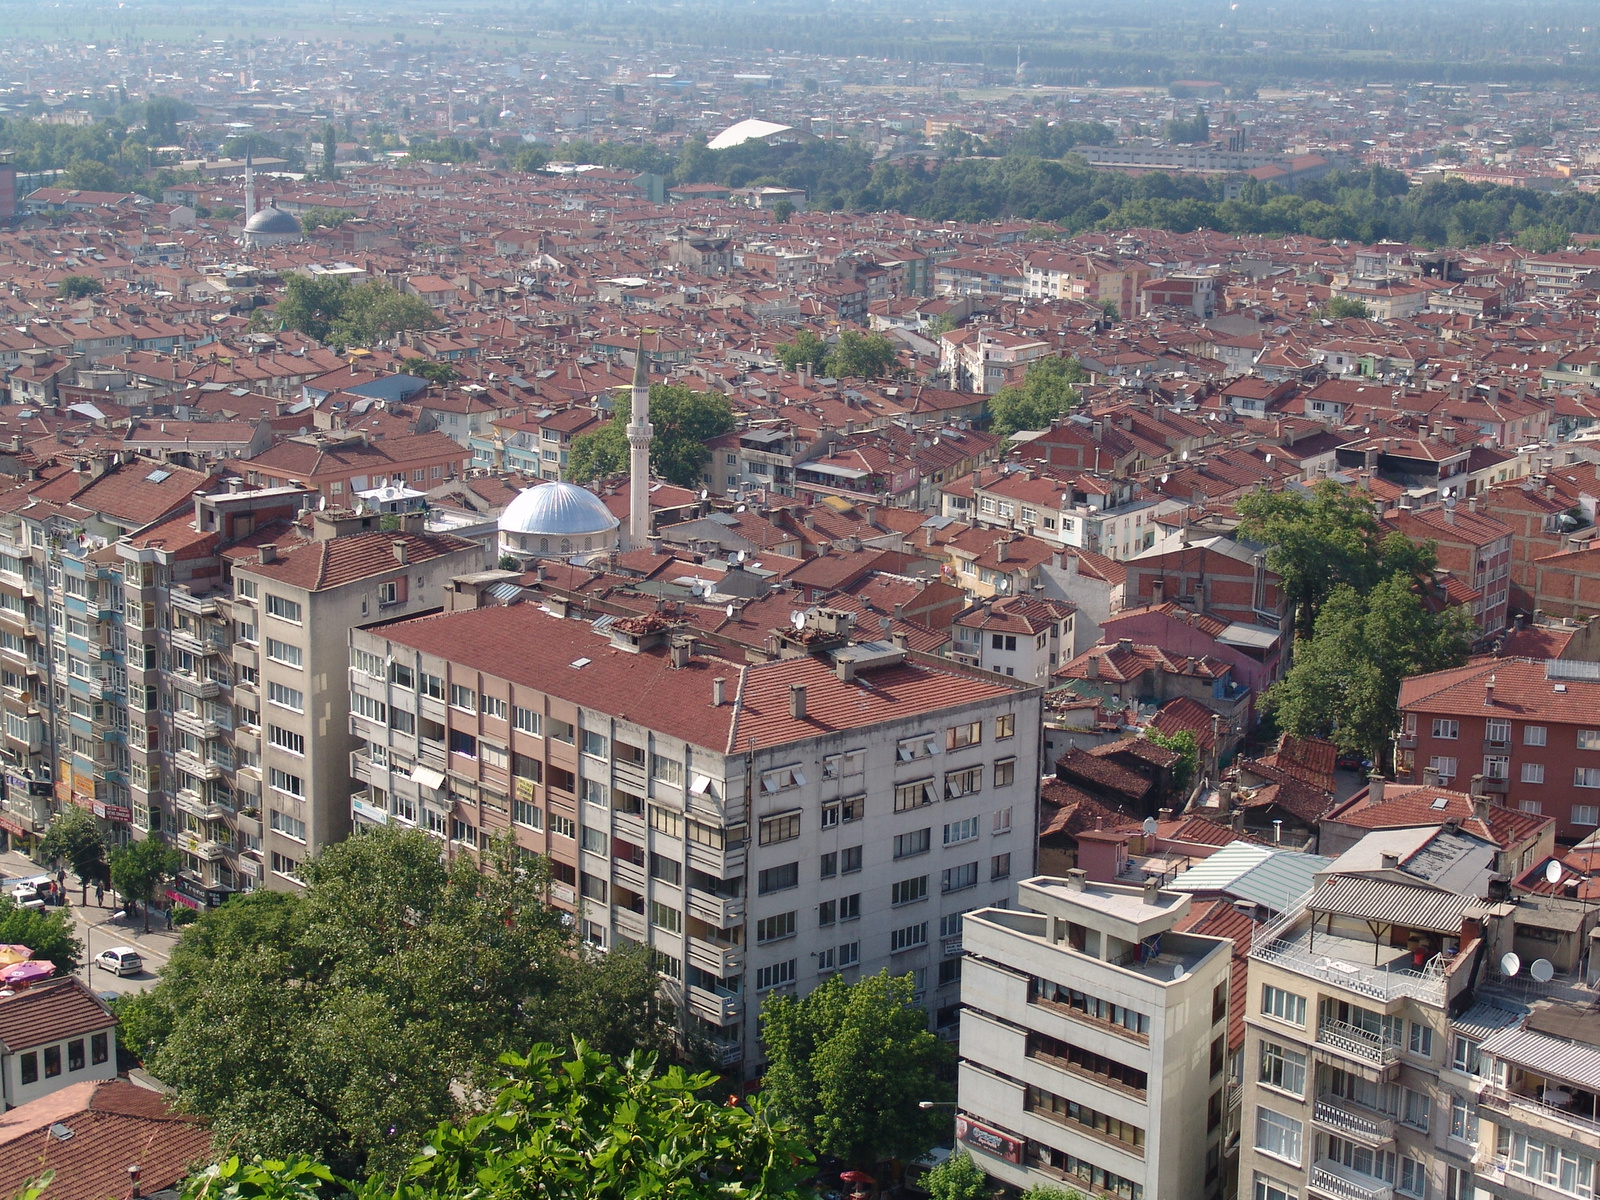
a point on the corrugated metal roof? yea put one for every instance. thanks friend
(1218, 872)
(1278, 882)
(1479, 1021)
(1547, 1055)
(1393, 903)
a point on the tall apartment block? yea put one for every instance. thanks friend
(1094, 1042)
(761, 826)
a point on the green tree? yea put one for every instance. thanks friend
(378, 1000)
(1345, 681)
(850, 1063)
(324, 218)
(956, 1178)
(1339, 308)
(1044, 1191)
(138, 870)
(88, 175)
(807, 349)
(434, 372)
(1045, 393)
(1185, 744)
(47, 932)
(161, 117)
(74, 837)
(330, 151)
(587, 1128)
(1547, 238)
(345, 314)
(528, 159)
(684, 420)
(861, 356)
(782, 211)
(76, 287)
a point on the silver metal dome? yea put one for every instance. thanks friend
(557, 509)
(271, 220)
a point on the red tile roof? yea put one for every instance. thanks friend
(337, 561)
(50, 1011)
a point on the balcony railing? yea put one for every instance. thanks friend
(1335, 1116)
(1353, 1041)
(1331, 1179)
(1282, 944)
(1498, 1098)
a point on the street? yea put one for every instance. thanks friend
(98, 930)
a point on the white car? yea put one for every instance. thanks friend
(27, 896)
(120, 960)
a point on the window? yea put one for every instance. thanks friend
(1000, 866)
(666, 918)
(950, 972)
(30, 1067)
(1463, 1120)
(492, 706)
(963, 830)
(850, 907)
(1283, 1068)
(286, 697)
(849, 860)
(778, 879)
(1005, 772)
(365, 706)
(781, 827)
(525, 813)
(463, 698)
(287, 825)
(595, 840)
(1413, 1177)
(432, 686)
(1589, 739)
(527, 720)
(849, 954)
(1496, 766)
(1002, 641)
(667, 770)
(1005, 725)
(288, 867)
(1446, 729)
(1286, 1006)
(1417, 1109)
(402, 677)
(1549, 1163)
(959, 736)
(918, 794)
(922, 745)
(909, 891)
(75, 1055)
(286, 739)
(908, 938)
(52, 1061)
(596, 745)
(245, 588)
(1278, 1135)
(827, 912)
(1444, 766)
(772, 929)
(564, 826)
(463, 743)
(284, 609)
(1466, 1056)
(499, 757)
(1534, 735)
(1586, 814)
(282, 781)
(1458, 1184)
(1498, 731)
(1271, 1189)
(782, 779)
(1421, 1041)
(955, 879)
(908, 845)
(963, 783)
(99, 1048)
(1586, 777)
(285, 653)
(830, 865)
(1532, 772)
(835, 812)
(777, 975)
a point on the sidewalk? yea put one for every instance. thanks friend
(94, 924)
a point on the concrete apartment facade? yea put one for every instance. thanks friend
(1094, 1042)
(760, 826)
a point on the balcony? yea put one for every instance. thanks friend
(1337, 961)
(1351, 1041)
(1535, 1113)
(724, 864)
(628, 874)
(100, 688)
(186, 601)
(195, 644)
(245, 656)
(1340, 1117)
(202, 768)
(1334, 1179)
(1496, 785)
(720, 1007)
(630, 924)
(731, 1053)
(721, 911)
(431, 753)
(206, 689)
(629, 827)
(721, 961)
(193, 723)
(249, 826)
(197, 806)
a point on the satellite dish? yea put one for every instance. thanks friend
(704, 495)
(729, 612)
(1510, 964)
(1149, 827)
(743, 554)
(1178, 973)
(1542, 971)
(797, 619)
(1552, 872)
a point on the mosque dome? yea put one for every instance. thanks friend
(272, 220)
(557, 509)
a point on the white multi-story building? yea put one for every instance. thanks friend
(760, 826)
(1094, 1042)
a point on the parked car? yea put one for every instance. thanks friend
(120, 960)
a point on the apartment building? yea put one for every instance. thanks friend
(1094, 1042)
(760, 826)
(1021, 637)
(293, 608)
(1528, 726)
(1474, 547)
(1347, 1029)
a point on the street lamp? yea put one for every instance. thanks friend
(927, 1104)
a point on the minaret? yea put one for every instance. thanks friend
(640, 434)
(249, 185)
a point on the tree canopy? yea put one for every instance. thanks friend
(580, 1126)
(48, 932)
(1045, 393)
(850, 1063)
(1339, 308)
(426, 368)
(684, 420)
(346, 1022)
(855, 355)
(76, 287)
(1345, 681)
(138, 870)
(341, 313)
(956, 1178)
(74, 838)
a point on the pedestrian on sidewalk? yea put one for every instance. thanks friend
(100, 895)
(169, 918)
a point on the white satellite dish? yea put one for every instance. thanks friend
(1178, 973)
(743, 554)
(797, 619)
(1542, 971)
(704, 495)
(1552, 872)
(1149, 827)
(1510, 964)
(729, 612)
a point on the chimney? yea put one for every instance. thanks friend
(719, 691)
(1152, 891)
(1488, 692)
(1000, 550)
(400, 551)
(1480, 802)
(269, 553)
(845, 668)
(1076, 879)
(1430, 777)
(1236, 820)
(1389, 862)
(681, 653)
(133, 1181)
(797, 701)
(1158, 592)
(1375, 789)
(1092, 667)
